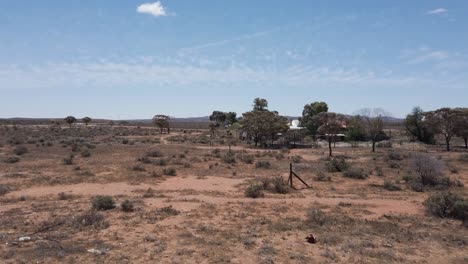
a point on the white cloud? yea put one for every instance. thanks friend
(156, 9)
(437, 11)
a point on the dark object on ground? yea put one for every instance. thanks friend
(311, 239)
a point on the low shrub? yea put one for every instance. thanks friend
(355, 173)
(447, 204)
(463, 158)
(336, 164)
(384, 144)
(379, 171)
(4, 189)
(249, 159)
(12, 159)
(279, 185)
(154, 153)
(68, 160)
(90, 218)
(64, 196)
(85, 153)
(391, 186)
(103, 202)
(138, 167)
(263, 164)
(321, 176)
(170, 171)
(254, 191)
(20, 150)
(316, 217)
(296, 159)
(127, 206)
(229, 157)
(394, 155)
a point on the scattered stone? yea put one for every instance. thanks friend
(24, 239)
(97, 251)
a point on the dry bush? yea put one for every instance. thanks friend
(355, 173)
(170, 171)
(127, 206)
(90, 219)
(85, 153)
(154, 153)
(20, 150)
(103, 202)
(254, 190)
(263, 164)
(68, 160)
(391, 186)
(12, 159)
(229, 158)
(296, 159)
(321, 176)
(4, 189)
(427, 171)
(336, 164)
(447, 204)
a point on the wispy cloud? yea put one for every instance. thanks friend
(437, 11)
(436, 55)
(155, 9)
(110, 75)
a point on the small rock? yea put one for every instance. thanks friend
(388, 245)
(24, 239)
(96, 251)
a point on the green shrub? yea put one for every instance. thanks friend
(254, 191)
(170, 171)
(355, 173)
(127, 206)
(263, 164)
(447, 204)
(103, 202)
(336, 164)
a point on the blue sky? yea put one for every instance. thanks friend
(133, 59)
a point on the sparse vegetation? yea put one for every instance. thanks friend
(447, 204)
(170, 171)
(336, 164)
(254, 191)
(103, 203)
(355, 173)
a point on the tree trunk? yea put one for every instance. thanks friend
(466, 141)
(373, 145)
(330, 146)
(447, 142)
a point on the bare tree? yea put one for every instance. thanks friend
(163, 122)
(331, 124)
(372, 119)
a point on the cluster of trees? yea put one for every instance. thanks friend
(448, 122)
(70, 120)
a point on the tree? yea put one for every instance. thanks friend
(331, 124)
(260, 104)
(462, 125)
(444, 121)
(373, 124)
(261, 123)
(310, 111)
(87, 120)
(417, 126)
(218, 117)
(163, 122)
(70, 120)
(355, 130)
(231, 118)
